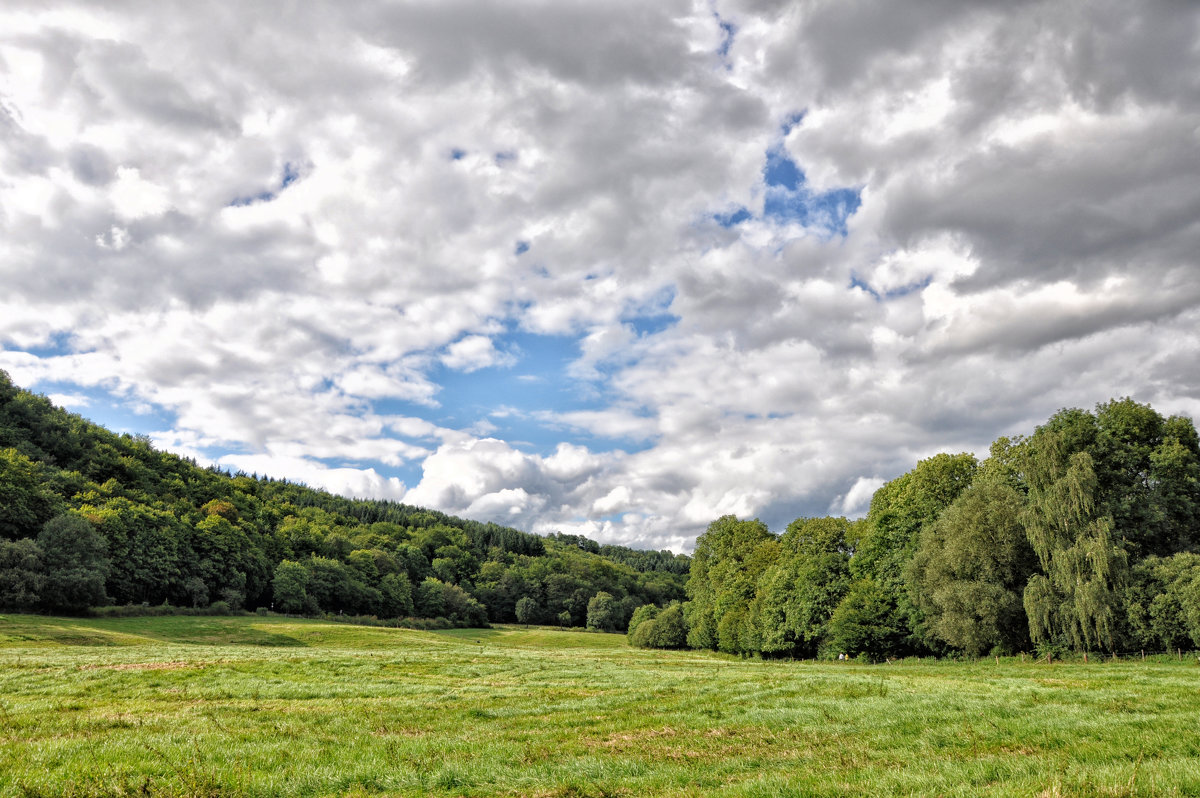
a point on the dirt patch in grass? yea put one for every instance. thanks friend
(141, 666)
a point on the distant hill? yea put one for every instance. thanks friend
(89, 517)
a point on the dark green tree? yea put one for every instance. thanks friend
(1162, 602)
(969, 572)
(431, 598)
(24, 503)
(76, 564)
(730, 557)
(887, 538)
(667, 630)
(22, 574)
(646, 612)
(866, 623)
(603, 612)
(527, 610)
(397, 595)
(290, 587)
(798, 593)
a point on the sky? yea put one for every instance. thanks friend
(606, 268)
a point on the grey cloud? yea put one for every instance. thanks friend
(580, 42)
(90, 165)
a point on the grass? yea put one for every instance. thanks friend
(254, 706)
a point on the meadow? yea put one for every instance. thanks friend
(272, 706)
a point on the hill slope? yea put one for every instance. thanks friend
(90, 517)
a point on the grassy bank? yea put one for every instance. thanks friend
(275, 706)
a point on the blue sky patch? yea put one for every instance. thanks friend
(521, 248)
(290, 175)
(895, 293)
(789, 199)
(108, 409)
(733, 218)
(780, 170)
(728, 32)
(58, 344)
(791, 121)
(653, 323)
(512, 402)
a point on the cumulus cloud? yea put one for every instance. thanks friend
(779, 251)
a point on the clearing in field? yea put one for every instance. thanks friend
(266, 706)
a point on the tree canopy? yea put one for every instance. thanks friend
(1080, 536)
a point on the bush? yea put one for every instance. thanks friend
(665, 629)
(646, 612)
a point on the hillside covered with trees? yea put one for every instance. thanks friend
(1082, 536)
(89, 518)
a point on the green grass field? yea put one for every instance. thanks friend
(199, 706)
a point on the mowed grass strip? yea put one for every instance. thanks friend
(273, 706)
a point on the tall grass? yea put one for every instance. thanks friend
(252, 706)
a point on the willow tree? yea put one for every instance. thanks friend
(1076, 600)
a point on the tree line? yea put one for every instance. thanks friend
(91, 518)
(1082, 536)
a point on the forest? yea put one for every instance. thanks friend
(90, 518)
(1081, 536)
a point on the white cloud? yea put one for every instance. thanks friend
(475, 352)
(353, 482)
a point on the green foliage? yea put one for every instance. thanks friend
(970, 569)
(146, 549)
(73, 553)
(290, 587)
(665, 629)
(888, 539)
(603, 613)
(397, 593)
(431, 598)
(1162, 602)
(646, 612)
(798, 593)
(1075, 601)
(22, 574)
(866, 622)
(729, 559)
(24, 503)
(528, 610)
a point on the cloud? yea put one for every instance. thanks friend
(353, 482)
(327, 239)
(475, 352)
